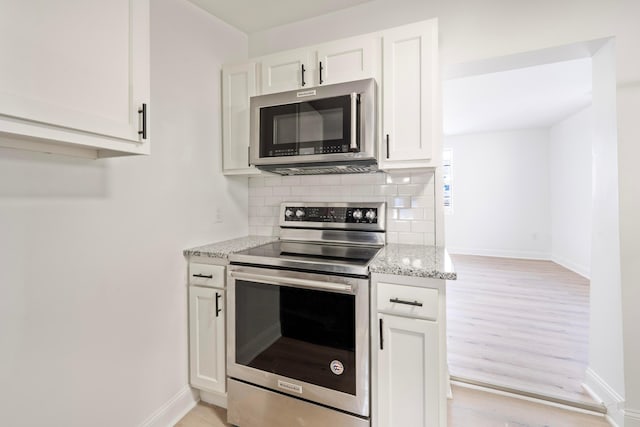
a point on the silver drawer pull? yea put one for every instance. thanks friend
(204, 276)
(399, 301)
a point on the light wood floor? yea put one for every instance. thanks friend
(469, 408)
(523, 324)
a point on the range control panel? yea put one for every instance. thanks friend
(331, 214)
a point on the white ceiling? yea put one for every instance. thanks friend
(256, 15)
(522, 98)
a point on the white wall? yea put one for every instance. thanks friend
(409, 196)
(472, 31)
(570, 160)
(93, 309)
(500, 191)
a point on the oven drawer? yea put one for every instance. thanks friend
(408, 301)
(206, 275)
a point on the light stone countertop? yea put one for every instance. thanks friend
(399, 259)
(227, 247)
(414, 260)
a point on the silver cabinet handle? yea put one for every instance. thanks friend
(293, 282)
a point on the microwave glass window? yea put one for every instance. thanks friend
(313, 127)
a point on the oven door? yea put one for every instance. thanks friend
(302, 334)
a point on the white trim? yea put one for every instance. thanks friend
(500, 253)
(602, 392)
(525, 398)
(173, 410)
(631, 418)
(582, 270)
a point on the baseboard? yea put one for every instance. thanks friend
(602, 392)
(631, 418)
(500, 253)
(576, 268)
(173, 410)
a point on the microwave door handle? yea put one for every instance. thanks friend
(354, 122)
(293, 282)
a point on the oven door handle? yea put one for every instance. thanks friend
(293, 282)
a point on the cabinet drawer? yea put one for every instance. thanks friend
(206, 275)
(408, 300)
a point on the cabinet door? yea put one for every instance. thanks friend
(207, 339)
(75, 72)
(284, 71)
(346, 60)
(408, 373)
(410, 109)
(239, 84)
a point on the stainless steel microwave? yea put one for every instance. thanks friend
(326, 129)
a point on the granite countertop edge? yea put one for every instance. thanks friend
(398, 259)
(227, 247)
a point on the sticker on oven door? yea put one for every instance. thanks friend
(290, 387)
(337, 367)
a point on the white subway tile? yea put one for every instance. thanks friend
(273, 181)
(411, 238)
(274, 200)
(329, 179)
(281, 191)
(422, 202)
(392, 213)
(399, 202)
(291, 180)
(422, 226)
(256, 181)
(256, 201)
(392, 237)
(421, 177)
(385, 190)
(411, 189)
(396, 225)
(260, 191)
(362, 178)
(266, 211)
(411, 213)
(362, 190)
(430, 239)
(398, 178)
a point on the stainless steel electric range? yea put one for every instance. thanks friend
(298, 319)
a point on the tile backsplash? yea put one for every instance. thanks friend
(409, 197)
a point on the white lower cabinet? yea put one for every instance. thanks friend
(408, 339)
(207, 338)
(408, 372)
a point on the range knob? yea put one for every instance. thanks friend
(288, 213)
(370, 215)
(357, 214)
(299, 213)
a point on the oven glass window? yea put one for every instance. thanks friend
(313, 127)
(303, 334)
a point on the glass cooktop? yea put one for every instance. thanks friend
(329, 258)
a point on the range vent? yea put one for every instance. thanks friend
(321, 169)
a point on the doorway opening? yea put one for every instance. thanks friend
(519, 177)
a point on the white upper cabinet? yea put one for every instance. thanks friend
(238, 85)
(75, 73)
(334, 62)
(346, 60)
(288, 70)
(410, 97)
